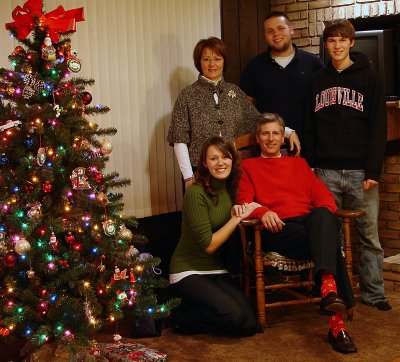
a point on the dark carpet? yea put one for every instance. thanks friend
(295, 333)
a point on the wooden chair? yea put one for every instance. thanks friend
(255, 261)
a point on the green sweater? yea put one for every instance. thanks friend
(200, 219)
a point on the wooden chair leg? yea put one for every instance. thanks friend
(347, 248)
(260, 286)
(246, 270)
(347, 216)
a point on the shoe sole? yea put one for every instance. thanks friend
(334, 308)
(342, 351)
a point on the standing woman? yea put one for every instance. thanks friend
(210, 107)
(211, 301)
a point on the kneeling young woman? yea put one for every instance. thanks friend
(211, 301)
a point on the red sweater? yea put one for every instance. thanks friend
(285, 185)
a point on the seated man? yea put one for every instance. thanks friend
(298, 214)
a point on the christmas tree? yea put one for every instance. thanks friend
(69, 258)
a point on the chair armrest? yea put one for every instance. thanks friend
(350, 213)
(250, 222)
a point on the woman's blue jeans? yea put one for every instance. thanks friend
(349, 184)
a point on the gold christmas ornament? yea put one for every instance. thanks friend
(125, 233)
(22, 246)
(105, 147)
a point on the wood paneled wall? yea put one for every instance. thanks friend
(242, 33)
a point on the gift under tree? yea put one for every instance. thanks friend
(69, 258)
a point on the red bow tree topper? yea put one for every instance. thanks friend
(57, 21)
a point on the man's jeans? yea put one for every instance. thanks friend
(349, 183)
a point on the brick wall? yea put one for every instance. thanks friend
(389, 215)
(307, 19)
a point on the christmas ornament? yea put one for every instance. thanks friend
(57, 21)
(63, 263)
(101, 197)
(26, 68)
(3, 159)
(86, 98)
(3, 247)
(102, 267)
(32, 85)
(109, 228)
(48, 50)
(28, 188)
(58, 110)
(94, 348)
(47, 187)
(132, 277)
(30, 273)
(98, 177)
(53, 241)
(122, 296)
(79, 179)
(22, 246)
(125, 233)
(132, 251)
(35, 210)
(70, 238)
(4, 331)
(10, 124)
(28, 143)
(88, 311)
(120, 275)
(117, 339)
(19, 50)
(74, 65)
(105, 147)
(10, 90)
(41, 156)
(10, 259)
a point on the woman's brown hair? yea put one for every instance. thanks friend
(203, 176)
(215, 44)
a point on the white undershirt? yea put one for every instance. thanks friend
(182, 156)
(284, 61)
(176, 277)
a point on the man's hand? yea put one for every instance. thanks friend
(272, 222)
(294, 142)
(369, 184)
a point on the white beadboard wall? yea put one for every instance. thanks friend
(140, 54)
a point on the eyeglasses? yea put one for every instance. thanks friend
(215, 60)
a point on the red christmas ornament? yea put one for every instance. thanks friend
(47, 186)
(29, 188)
(86, 98)
(98, 177)
(18, 50)
(10, 259)
(70, 238)
(4, 332)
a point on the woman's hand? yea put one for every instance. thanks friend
(189, 182)
(243, 211)
(294, 142)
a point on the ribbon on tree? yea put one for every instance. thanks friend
(57, 21)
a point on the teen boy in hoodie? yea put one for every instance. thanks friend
(344, 140)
